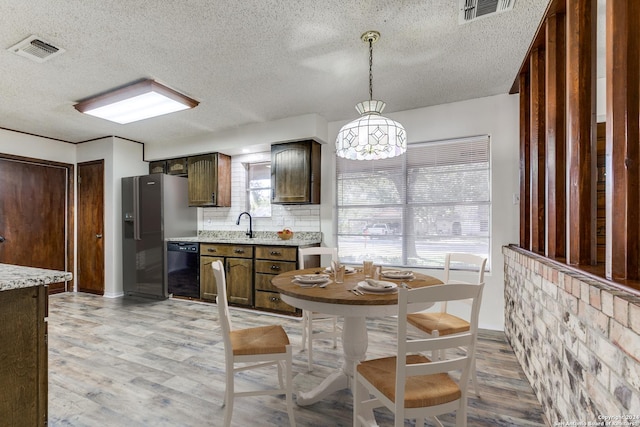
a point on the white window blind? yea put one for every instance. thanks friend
(411, 210)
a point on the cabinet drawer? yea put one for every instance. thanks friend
(236, 251)
(277, 253)
(274, 267)
(272, 301)
(263, 282)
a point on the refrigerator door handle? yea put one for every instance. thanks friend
(136, 208)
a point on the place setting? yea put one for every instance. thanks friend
(312, 280)
(397, 274)
(373, 286)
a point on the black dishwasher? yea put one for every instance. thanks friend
(183, 269)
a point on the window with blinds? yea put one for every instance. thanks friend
(259, 189)
(411, 210)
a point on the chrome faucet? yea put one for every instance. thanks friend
(250, 232)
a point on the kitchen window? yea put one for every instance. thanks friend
(411, 210)
(259, 189)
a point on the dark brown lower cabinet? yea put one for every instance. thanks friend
(271, 261)
(238, 265)
(23, 357)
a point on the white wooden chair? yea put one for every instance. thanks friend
(443, 323)
(411, 385)
(309, 317)
(252, 348)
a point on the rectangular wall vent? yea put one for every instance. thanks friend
(474, 9)
(36, 49)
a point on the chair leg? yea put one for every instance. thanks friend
(305, 325)
(335, 332)
(474, 377)
(289, 387)
(461, 413)
(228, 398)
(310, 343)
(282, 372)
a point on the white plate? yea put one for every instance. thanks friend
(397, 274)
(311, 279)
(388, 289)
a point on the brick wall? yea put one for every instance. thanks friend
(576, 338)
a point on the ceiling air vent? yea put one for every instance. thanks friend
(471, 10)
(36, 49)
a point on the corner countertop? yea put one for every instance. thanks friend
(266, 238)
(18, 276)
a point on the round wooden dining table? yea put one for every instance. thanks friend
(337, 299)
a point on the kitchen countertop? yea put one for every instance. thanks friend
(266, 238)
(17, 276)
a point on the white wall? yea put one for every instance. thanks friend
(20, 144)
(497, 116)
(121, 158)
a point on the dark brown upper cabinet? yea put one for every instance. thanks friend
(209, 180)
(177, 167)
(158, 166)
(171, 166)
(295, 173)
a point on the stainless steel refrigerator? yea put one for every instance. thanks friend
(154, 207)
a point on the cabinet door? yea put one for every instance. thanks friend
(203, 180)
(24, 353)
(159, 166)
(240, 280)
(208, 289)
(177, 167)
(295, 172)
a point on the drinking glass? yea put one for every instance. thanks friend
(368, 268)
(339, 273)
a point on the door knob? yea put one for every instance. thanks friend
(2, 239)
(98, 236)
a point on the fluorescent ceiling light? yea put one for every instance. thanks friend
(135, 102)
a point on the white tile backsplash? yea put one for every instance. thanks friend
(297, 217)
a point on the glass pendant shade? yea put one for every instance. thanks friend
(371, 136)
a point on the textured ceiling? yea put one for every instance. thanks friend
(250, 61)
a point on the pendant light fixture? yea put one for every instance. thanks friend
(371, 136)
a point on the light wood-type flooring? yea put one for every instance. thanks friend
(134, 363)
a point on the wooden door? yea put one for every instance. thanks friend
(240, 280)
(34, 215)
(90, 274)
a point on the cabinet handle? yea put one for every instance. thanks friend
(275, 299)
(211, 250)
(275, 267)
(276, 253)
(239, 251)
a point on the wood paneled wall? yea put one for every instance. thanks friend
(559, 169)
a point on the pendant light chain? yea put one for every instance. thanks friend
(370, 68)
